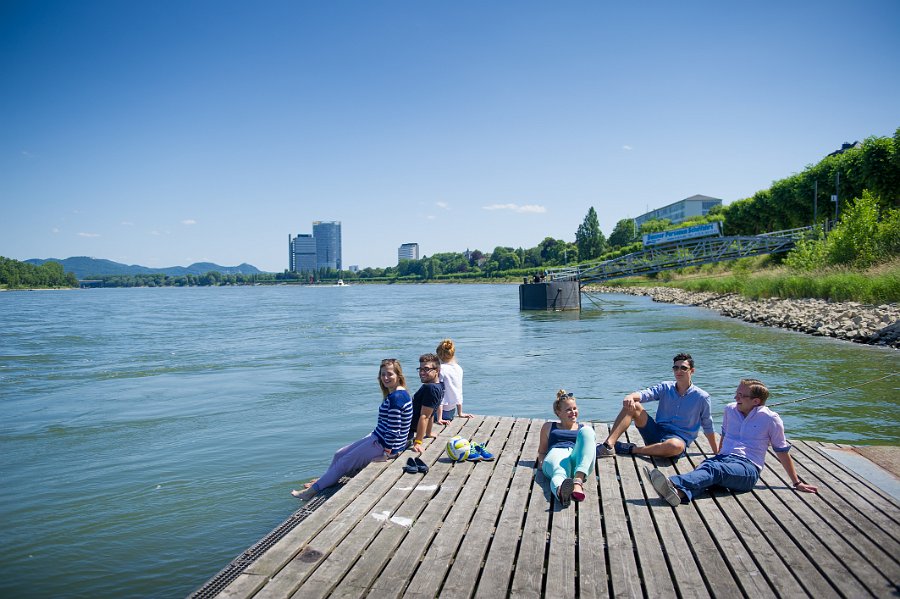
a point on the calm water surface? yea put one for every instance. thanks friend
(150, 435)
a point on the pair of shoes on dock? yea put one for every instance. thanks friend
(415, 466)
(479, 453)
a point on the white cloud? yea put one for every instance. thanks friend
(127, 223)
(532, 208)
(430, 217)
(627, 148)
(442, 205)
(89, 234)
(55, 230)
(155, 232)
(27, 154)
(188, 221)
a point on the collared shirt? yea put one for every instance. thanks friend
(682, 414)
(750, 436)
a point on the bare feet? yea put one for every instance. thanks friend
(307, 485)
(307, 494)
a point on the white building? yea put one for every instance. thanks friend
(696, 205)
(408, 251)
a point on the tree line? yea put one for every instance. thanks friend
(865, 179)
(22, 275)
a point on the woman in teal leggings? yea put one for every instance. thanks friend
(567, 451)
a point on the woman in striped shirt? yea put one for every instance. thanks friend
(387, 440)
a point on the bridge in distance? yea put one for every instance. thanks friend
(561, 288)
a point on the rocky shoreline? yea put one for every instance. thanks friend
(850, 321)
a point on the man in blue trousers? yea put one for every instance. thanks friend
(748, 428)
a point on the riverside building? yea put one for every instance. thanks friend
(302, 253)
(321, 249)
(408, 251)
(328, 244)
(696, 205)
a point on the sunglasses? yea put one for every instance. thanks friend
(682, 368)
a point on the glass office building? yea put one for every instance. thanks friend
(328, 244)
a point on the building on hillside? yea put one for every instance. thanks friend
(302, 253)
(328, 244)
(696, 205)
(408, 251)
(846, 146)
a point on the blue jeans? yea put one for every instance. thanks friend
(730, 471)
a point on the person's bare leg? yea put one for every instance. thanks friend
(667, 449)
(638, 416)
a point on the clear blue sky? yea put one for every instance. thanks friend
(167, 132)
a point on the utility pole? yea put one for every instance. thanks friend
(835, 198)
(815, 202)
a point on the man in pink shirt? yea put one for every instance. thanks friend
(748, 428)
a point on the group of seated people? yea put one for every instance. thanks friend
(568, 449)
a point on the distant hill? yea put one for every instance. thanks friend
(85, 268)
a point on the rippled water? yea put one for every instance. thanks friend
(150, 435)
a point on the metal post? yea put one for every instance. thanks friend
(837, 201)
(815, 202)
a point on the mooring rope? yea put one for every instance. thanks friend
(857, 386)
(790, 401)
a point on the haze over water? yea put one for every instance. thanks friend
(150, 435)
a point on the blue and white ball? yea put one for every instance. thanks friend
(458, 448)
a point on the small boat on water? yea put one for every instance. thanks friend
(340, 283)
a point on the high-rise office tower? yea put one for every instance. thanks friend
(302, 253)
(328, 244)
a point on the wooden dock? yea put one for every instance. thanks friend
(490, 529)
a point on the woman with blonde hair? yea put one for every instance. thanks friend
(387, 440)
(567, 451)
(452, 378)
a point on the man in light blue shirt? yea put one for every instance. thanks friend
(683, 409)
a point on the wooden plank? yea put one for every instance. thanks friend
(652, 563)
(464, 573)
(528, 574)
(622, 565)
(396, 575)
(833, 535)
(501, 559)
(374, 539)
(430, 575)
(592, 581)
(560, 575)
(694, 537)
(293, 542)
(491, 530)
(768, 564)
(317, 548)
(875, 515)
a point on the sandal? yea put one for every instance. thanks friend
(578, 490)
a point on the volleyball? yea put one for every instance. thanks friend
(458, 449)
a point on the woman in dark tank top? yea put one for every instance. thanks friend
(567, 451)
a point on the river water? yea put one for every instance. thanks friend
(151, 435)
